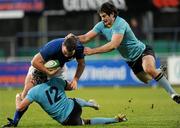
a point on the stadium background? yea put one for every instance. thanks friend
(28, 24)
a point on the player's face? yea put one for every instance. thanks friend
(107, 19)
(66, 52)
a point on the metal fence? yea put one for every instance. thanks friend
(27, 44)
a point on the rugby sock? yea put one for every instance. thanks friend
(84, 103)
(18, 115)
(100, 120)
(161, 79)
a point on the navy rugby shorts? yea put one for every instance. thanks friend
(136, 66)
(74, 117)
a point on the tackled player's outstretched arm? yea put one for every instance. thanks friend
(21, 104)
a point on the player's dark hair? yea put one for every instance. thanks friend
(70, 43)
(39, 77)
(108, 8)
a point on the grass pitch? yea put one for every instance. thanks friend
(144, 107)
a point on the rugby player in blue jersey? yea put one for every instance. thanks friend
(52, 98)
(61, 49)
(139, 57)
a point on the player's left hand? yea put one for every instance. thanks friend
(52, 72)
(18, 96)
(88, 51)
(73, 84)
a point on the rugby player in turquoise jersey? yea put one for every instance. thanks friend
(52, 98)
(139, 57)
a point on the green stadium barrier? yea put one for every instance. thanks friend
(27, 52)
(164, 46)
(2, 53)
(159, 46)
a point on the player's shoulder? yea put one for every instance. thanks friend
(119, 22)
(118, 18)
(55, 43)
(100, 24)
(33, 90)
(79, 46)
(57, 40)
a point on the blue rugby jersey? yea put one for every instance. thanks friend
(53, 51)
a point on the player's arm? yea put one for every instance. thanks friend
(87, 37)
(38, 62)
(21, 104)
(80, 68)
(78, 73)
(113, 44)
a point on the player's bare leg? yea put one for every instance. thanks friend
(144, 77)
(148, 64)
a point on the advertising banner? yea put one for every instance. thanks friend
(93, 5)
(174, 70)
(123, 5)
(25, 5)
(96, 73)
(106, 73)
(13, 73)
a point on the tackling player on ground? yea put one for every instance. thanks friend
(63, 50)
(139, 57)
(52, 98)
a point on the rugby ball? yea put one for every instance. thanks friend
(52, 64)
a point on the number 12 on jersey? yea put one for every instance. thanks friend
(52, 91)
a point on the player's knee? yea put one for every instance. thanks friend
(150, 70)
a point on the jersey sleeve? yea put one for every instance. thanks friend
(119, 28)
(80, 51)
(31, 96)
(98, 27)
(49, 50)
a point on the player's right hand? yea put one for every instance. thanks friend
(88, 51)
(69, 86)
(52, 72)
(73, 84)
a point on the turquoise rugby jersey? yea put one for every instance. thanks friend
(130, 48)
(52, 98)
